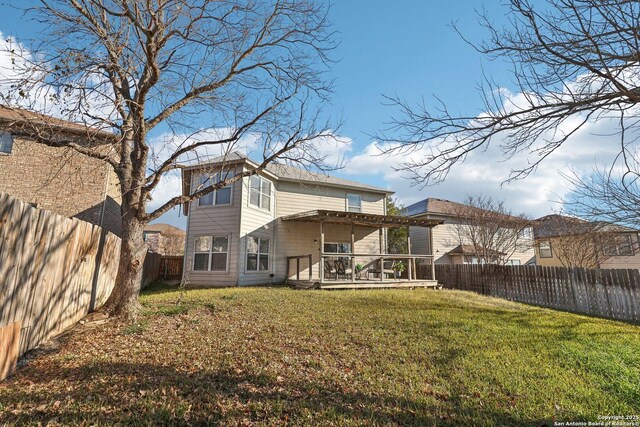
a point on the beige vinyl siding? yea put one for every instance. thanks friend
(303, 238)
(255, 222)
(297, 238)
(630, 261)
(445, 238)
(297, 197)
(222, 220)
(242, 219)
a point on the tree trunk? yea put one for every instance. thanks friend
(123, 301)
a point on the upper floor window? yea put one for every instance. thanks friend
(6, 142)
(622, 244)
(526, 233)
(544, 248)
(354, 203)
(221, 196)
(211, 253)
(260, 192)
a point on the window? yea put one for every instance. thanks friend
(6, 143)
(211, 253)
(337, 248)
(354, 203)
(257, 254)
(221, 196)
(260, 192)
(544, 248)
(622, 244)
(513, 262)
(526, 233)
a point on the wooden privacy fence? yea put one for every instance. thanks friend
(150, 269)
(614, 294)
(50, 271)
(171, 267)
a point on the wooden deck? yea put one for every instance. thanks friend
(363, 284)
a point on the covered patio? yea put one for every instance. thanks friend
(342, 267)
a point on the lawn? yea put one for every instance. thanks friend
(265, 356)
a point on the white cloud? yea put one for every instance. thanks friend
(24, 83)
(485, 172)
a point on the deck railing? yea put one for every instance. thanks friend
(374, 266)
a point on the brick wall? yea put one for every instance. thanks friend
(63, 181)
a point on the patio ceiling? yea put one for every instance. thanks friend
(364, 219)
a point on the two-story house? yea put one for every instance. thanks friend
(58, 179)
(286, 223)
(452, 242)
(569, 241)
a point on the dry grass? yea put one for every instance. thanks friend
(265, 356)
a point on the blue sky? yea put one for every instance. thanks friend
(408, 48)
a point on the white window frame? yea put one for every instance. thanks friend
(548, 242)
(216, 177)
(258, 254)
(211, 252)
(261, 193)
(349, 206)
(513, 261)
(6, 143)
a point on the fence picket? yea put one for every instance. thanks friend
(45, 273)
(613, 294)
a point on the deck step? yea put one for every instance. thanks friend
(303, 284)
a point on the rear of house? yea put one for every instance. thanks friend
(246, 233)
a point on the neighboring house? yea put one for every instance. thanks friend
(164, 239)
(450, 246)
(574, 242)
(285, 223)
(58, 179)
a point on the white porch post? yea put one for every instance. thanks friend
(353, 251)
(433, 258)
(381, 238)
(410, 260)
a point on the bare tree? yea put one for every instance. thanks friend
(142, 67)
(490, 231)
(609, 195)
(173, 242)
(573, 61)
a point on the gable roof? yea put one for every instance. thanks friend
(163, 229)
(563, 225)
(295, 174)
(278, 172)
(432, 205)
